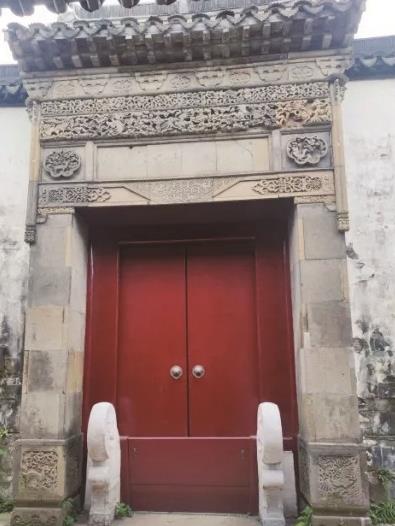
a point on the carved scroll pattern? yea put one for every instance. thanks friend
(73, 194)
(288, 185)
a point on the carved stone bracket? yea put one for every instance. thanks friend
(307, 150)
(62, 164)
(30, 234)
(343, 221)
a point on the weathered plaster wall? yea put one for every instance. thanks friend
(369, 129)
(14, 153)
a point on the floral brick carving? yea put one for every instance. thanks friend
(288, 185)
(307, 150)
(39, 469)
(62, 164)
(339, 478)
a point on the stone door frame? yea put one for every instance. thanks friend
(78, 118)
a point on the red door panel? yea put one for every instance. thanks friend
(193, 474)
(152, 338)
(222, 337)
(188, 444)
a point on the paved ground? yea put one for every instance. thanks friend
(179, 519)
(170, 519)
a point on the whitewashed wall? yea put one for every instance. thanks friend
(369, 134)
(14, 154)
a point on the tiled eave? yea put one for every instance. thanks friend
(277, 28)
(12, 94)
(373, 66)
(373, 57)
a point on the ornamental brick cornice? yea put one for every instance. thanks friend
(277, 28)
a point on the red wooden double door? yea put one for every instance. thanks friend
(186, 337)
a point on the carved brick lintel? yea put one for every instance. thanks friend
(202, 189)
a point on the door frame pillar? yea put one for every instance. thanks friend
(332, 460)
(48, 457)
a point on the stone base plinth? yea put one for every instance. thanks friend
(333, 482)
(339, 520)
(37, 517)
(48, 471)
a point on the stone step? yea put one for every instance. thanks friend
(187, 519)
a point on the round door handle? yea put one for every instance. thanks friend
(198, 371)
(176, 372)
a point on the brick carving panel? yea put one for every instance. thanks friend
(62, 164)
(307, 150)
(39, 470)
(289, 185)
(79, 194)
(339, 478)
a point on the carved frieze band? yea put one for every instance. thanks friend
(214, 119)
(185, 79)
(187, 99)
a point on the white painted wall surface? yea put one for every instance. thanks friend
(14, 161)
(369, 135)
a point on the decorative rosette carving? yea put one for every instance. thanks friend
(62, 164)
(307, 150)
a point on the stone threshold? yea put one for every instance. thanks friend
(183, 519)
